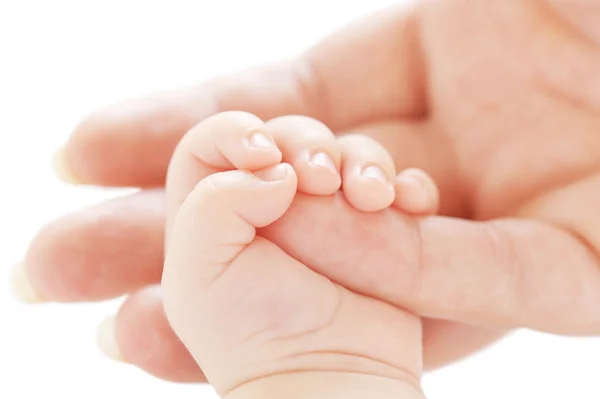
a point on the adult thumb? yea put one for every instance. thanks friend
(506, 273)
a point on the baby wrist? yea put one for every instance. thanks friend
(326, 385)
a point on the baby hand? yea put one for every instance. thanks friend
(259, 322)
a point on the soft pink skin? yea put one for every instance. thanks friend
(249, 312)
(504, 117)
(252, 315)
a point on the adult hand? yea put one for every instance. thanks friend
(497, 100)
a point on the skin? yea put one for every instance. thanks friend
(257, 321)
(498, 101)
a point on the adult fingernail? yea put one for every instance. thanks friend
(61, 168)
(107, 340)
(21, 287)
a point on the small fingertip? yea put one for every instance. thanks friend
(369, 189)
(258, 150)
(318, 173)
(275, 173)
(259, 140)
(21, 287)
(376, 173)
(323, 160)
(61, 168)
(106, 338)
(416, 192)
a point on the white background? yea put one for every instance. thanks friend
(60, 60)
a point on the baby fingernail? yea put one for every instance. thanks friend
(107, 340)
(272, 174)
(375, 173)
(411, 178)
(62, 170)
(21, 287)
(259, 140)
(418, 179)
(323, 160)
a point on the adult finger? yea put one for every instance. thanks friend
(445, 342)
(370, 70)
(503, 274)
(96, 253)
(141, 335)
